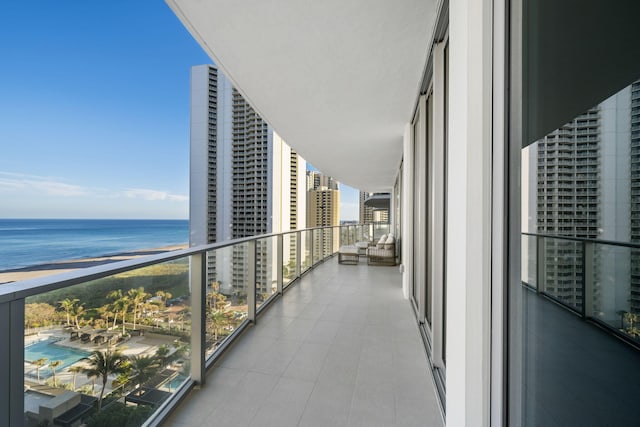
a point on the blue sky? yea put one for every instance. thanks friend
(94, 110)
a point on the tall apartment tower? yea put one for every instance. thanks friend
(317, 180)
(584, 188)
(323, 206)
(365, 212)
(634, 206)
(291, 192)
(243, 180)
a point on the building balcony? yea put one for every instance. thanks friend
(320, 343)
(337, 345)
(341, 347)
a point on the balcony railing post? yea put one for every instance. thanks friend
(332, 233)
(279, 265)
(12, 363)
(311, 248)
(321, 243)
(198, 279)
(298, 253)
(541, 264)
(587, 279)
(251, 291)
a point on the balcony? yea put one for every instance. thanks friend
(576, 368)
(582, 327)
(341, 347)
(265, 342)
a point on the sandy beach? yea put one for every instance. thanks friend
(25, 273)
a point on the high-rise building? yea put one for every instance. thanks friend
(323, 207)
(374, 207)
(317, 180)
(245, 180)
(291, 193)
(365, 212)
(584, 189)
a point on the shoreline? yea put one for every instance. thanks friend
(47, 269)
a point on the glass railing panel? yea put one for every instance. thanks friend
(349, 238)
(379, 229)
(119, 344)
(289, 256)
(226, 294)
(335, 232)
(317, 248)
(306, 239)
(367, 233)
(344, 235)
(327, 243)
(529, 260)
(562, 274)
(616, 273)
(266, 269)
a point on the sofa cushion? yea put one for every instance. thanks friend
(390, 242)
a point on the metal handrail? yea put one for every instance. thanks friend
(25, 288)
(13, 295)
(582, 239)
(586, 281)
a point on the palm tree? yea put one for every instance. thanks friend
(102, 364)
(121, 305)
(144, 367)
(105, 313)
(164, 296)
(53, 365)
(219, 320)
(74, 370)
(67, 305)
(137, 297)
(77, 311)
(39, 364)
(162, 352)
(217, 300)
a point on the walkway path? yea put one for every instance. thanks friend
(341, 348)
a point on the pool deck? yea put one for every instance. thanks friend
(141, 345)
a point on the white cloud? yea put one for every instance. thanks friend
(48, 186)
(39, 184)
(152, 195)
(25, 195)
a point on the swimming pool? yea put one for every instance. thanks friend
(49, 350)
(174, 383)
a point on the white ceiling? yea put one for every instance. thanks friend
(337, 79)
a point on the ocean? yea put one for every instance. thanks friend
(29, 242)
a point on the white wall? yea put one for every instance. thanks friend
(469, 213)
(407, 212)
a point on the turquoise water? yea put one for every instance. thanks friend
(175, 383)
(29, 242)
(50, 351)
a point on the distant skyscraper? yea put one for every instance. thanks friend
(583, 175)
(365, 212)
(244, 179)
(317, 180)
(377, 213)
(323, 205)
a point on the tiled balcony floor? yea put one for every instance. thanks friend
(341, 348)
(576, 373)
